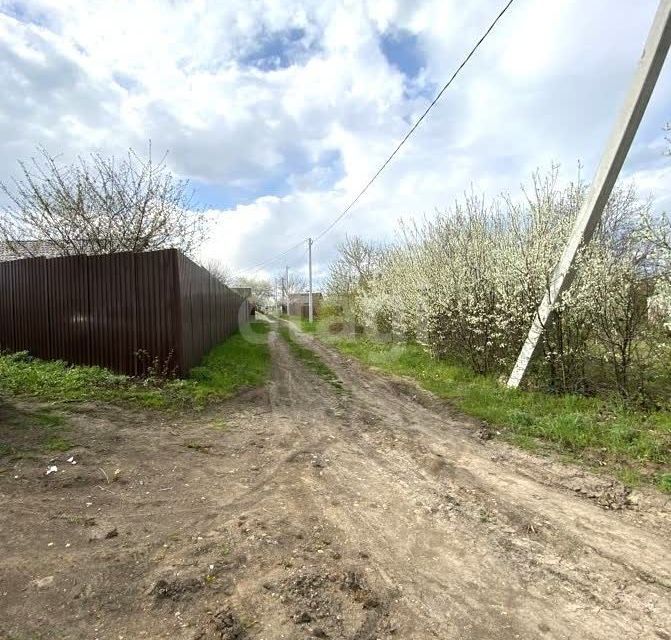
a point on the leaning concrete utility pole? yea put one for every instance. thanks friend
(310, 308)
(649, 67)
(286, 288)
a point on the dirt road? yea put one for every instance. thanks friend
(305, 511)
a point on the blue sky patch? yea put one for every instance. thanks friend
(125, 81)
(22, 13)
(220, 196)
(277, 50)
(402, 50)
(322, 174)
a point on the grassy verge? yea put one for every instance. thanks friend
(310, 359)
(229, 367)
(305, 325)
(605, 434)
(234, 364)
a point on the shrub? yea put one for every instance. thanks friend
(466, 284)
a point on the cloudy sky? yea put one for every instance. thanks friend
(279, 111)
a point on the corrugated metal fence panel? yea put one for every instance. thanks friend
(104, 309)
(68, 309)
(23, 317)
(6, 307)
(112, 313)
(209, 310)
(157, 299)
(33, 317)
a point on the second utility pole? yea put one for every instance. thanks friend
(310, 308)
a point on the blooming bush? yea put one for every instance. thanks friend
(466, 283)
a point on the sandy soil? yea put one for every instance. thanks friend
(303, 512)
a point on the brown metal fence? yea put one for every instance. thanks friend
(104, 310)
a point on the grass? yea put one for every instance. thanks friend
(605, 434)
(310, 359)
(304, 325)
(235, 364)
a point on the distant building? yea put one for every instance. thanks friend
(18, 249)
(299, 304)
(246, 294)
(243, 292)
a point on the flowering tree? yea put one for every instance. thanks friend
(467, 283)
(352, 274)
(220, 271)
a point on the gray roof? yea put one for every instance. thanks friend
(27, 249)
(298, 298)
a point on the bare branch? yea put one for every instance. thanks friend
(100, 205)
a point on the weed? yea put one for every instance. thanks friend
(157, 372)
(197, 446)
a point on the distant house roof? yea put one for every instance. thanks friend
(27, 249)
(298, 298)
(245, 292)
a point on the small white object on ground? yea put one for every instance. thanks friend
(51, 469)
(40, 583)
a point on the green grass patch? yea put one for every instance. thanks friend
(632, 444)
(314, 327)
(665, 482)
(235, 364)
(304, 325)
(310, 359)
(231, 366)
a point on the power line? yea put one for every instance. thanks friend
(259, 266)
(417, 123)
(405, 138)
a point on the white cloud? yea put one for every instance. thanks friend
(287, 107)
